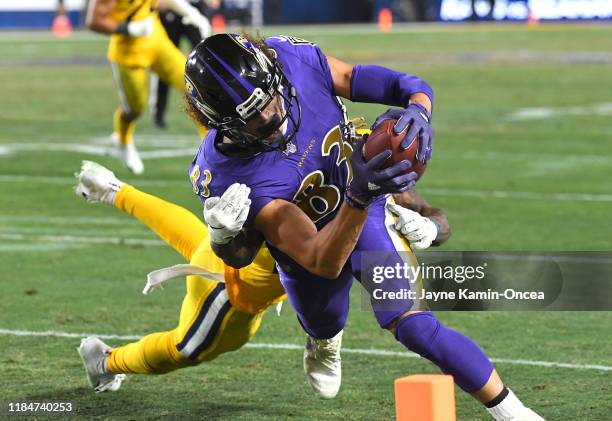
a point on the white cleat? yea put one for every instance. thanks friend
(527, 415)
(512, 409)
(93, 352)
(323, 365)
(128, 154)
(97, 183)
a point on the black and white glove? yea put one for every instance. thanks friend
(419, 230)
(199, 21)
(191, 15)
(137, 28)
(227, 214)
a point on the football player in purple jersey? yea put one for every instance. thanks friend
(278, 127)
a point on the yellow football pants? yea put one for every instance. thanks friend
(132, 83)
(209, 323)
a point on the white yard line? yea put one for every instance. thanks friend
(71, 181)
(170, 146)
(39, 247)
(500, 194)
(543, 113)
(137, 232)
(286, 346)
(81, 239)
(10, 148)
(60, 220)
(484, 194)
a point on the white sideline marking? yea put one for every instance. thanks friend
(285, 346)
(76, 231)
(525, 257)
(60, 220)
(83, 240)
(518, 156)
(157, 140)
(71, 181)
(28, 248)
(499, 194)
(485, 194)
(169, 146)
(10, 148)
(536, 113)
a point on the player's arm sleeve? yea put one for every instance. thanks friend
(380, 85)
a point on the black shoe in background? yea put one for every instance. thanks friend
(159, 122)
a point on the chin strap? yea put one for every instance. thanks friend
(156, 278)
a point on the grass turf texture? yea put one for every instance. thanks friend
(481, 74)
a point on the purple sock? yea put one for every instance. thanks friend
(454, 353)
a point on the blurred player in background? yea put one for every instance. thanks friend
(223, 309)
(138, 43)
(176, 30)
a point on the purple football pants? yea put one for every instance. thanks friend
(322, 305)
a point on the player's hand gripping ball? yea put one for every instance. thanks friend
(415, 123)
(384, 137)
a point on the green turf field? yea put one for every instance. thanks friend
(511, 177)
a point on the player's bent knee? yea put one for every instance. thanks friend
(417, 331)
(393, 325)
(453, 352)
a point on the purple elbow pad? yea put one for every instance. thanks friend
(377, 84)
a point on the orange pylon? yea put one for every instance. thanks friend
(218, 23)
(425, 397)
(385, 20)
(61, 26)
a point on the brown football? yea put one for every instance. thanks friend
(382, 137)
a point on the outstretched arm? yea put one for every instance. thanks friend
(289, 229)
(324, 252)
(190, 14)
(99, 19)
(414, 221)
(380, 85)
(386, 86)
(98, 16)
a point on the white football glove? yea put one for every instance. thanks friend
(140, 28)
(226, 215)
(199, 21)
(420, 231)
(97, 184)
(191, 15)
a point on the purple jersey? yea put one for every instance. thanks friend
(313, 171)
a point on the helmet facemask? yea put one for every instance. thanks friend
(232, 123)
(269, 136)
